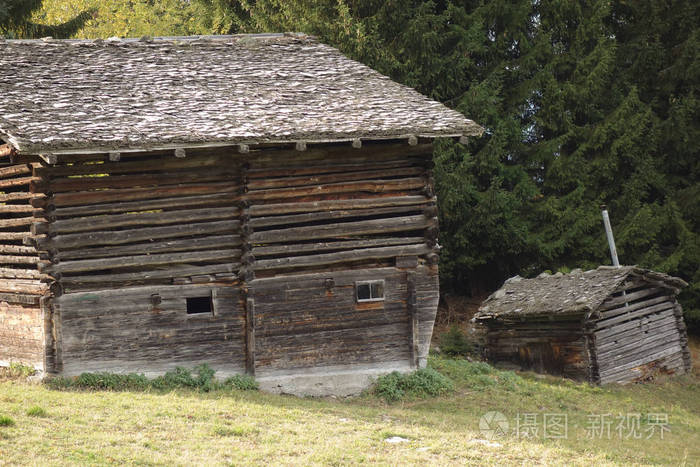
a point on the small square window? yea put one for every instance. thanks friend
(199, 305)
(369, 291)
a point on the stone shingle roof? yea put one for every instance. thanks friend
(61, 95)
(575, 292)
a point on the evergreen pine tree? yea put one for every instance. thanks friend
(15, 21)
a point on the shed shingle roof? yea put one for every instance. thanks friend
(565, 293)
(142, 94)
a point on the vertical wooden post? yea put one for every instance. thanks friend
(413, 317)
(250, 336)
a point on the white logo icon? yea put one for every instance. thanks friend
(493, 425)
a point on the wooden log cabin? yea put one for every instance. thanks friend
(608, 325)
(259, 203)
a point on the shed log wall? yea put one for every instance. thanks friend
(639, 333)
(542, 345)
(23, 321)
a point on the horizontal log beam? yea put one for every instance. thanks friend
(132, 194)
(341, 257)
(327, 215)
(190, 244)
(21, 299)
(93, 223)
(81, 240)
(16, 259)
(315, 206)
(23, 287)
(61, 185)
(119, 280)
(376, 226)
(17, 249)
(139, 167)
(316, 179)
(297, 248)
(368, 186)
(12, 182)
(18, 195)
(141, 261)
(606, 323)
(9, 273)
(145, 205)
(14, 170)
(14, 235)
(613, 302)
(13, 208)
(19, 221)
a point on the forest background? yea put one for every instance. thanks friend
(584, 103)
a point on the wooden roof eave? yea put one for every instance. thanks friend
(56, 156)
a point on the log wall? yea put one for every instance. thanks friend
(540, 344)
(639, 333)
(127, 238)
(22, 317)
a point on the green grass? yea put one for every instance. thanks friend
(233, 427)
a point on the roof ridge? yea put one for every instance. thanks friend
(167, 39)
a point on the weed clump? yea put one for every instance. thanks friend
(6, 421)
(422, 383)
(36, 411)
(201, 379)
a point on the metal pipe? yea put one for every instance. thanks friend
(609, 234)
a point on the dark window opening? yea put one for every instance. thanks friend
(198, 305)
(369, 291)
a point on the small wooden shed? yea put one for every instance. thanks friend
(260, 203)
(611, 324)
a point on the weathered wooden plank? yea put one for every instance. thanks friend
(250, 336)
(14, 235)
(627, 365)
(606, 323)
(82, 198)
(14, 170)
(327, 215)
(23, 299)
(258, 210)
(611, 313)
(61, 185)
(413, 318)
(17, 249)
(322, 179)
(395, 224)
(141, 261)
(190, 244)
(10, 273)
(146, 205)
(12, 182)
(324, 167)
(369, 186)
(151, 165)
(94, 223)
(23, 287)
(341, 257)
(81, 240)
(18, 195)
(19, 221)
(613, 302)
(14, 208)
(611, 332)
(283, 157)
(118, 280)
(635, 342)
(296, 248)
(16, 259)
